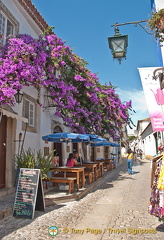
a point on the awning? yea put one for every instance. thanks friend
(13, 115)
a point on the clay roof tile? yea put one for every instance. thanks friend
(34, 13)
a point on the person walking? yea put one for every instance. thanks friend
(130, 157)
(140, 153)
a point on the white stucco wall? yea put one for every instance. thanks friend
(26, 24)
(149, 147)
(32, 140)
(148, 142)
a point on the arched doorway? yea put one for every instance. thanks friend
(58, 146)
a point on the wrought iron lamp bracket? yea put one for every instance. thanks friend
(136, 23)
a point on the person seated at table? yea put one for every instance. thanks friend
(71, 162)
(78, 158)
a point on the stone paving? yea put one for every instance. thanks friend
(115, 209)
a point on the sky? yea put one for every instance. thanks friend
(85, 25)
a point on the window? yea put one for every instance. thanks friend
(8, 23)
(30, 112)
(6, 28)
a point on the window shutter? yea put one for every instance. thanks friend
(2, 27)
(27, 109)
(10, 28)
(31, 115)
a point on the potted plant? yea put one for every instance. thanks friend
(25, 160)
(156, 23)
(44, 163)
(28, 159)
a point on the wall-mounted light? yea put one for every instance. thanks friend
(18, 96)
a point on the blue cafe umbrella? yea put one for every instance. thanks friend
(66, 137)
(99, 139)
(98, 144)
(95, 138)
(116, 145)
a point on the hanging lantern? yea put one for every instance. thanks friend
(118, 45)
(18, 96)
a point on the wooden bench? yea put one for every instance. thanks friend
(90, 176)
(98, 173)
(70, 181)
(114, 164)
(69, 175)
(107, 166)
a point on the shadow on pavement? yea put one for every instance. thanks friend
(135, 172)
(118, 174)
(160, 228)
(17, 223)
(138, 162)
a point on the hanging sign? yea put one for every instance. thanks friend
(29, 193)
(154, 98)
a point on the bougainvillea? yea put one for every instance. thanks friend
(78, 97)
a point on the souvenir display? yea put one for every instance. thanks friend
(156, 206)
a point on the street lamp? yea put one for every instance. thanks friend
(118, 44)
(18, 96)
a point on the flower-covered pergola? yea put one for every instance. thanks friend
(78, 97)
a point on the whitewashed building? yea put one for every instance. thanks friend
(146, 139)
(23, 125)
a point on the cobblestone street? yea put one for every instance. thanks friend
(115, 209)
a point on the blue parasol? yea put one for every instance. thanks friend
(99, 144)
(95, 138)
(116, 145)
(66, 137)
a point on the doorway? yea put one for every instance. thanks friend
(58, 147)
(3, 127)
(75, 147)
(93, 158)
(106, 150)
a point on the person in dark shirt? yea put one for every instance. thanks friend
(78, 158)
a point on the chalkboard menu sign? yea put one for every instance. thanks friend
(29, 193)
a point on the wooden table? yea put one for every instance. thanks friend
(92, 166)
(107, 163)
(101, 167)
(77, 170)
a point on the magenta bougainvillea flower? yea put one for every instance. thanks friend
(78, 97)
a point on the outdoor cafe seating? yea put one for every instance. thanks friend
(78, 175)
(107, 164)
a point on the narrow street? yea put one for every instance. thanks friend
(116, 209)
